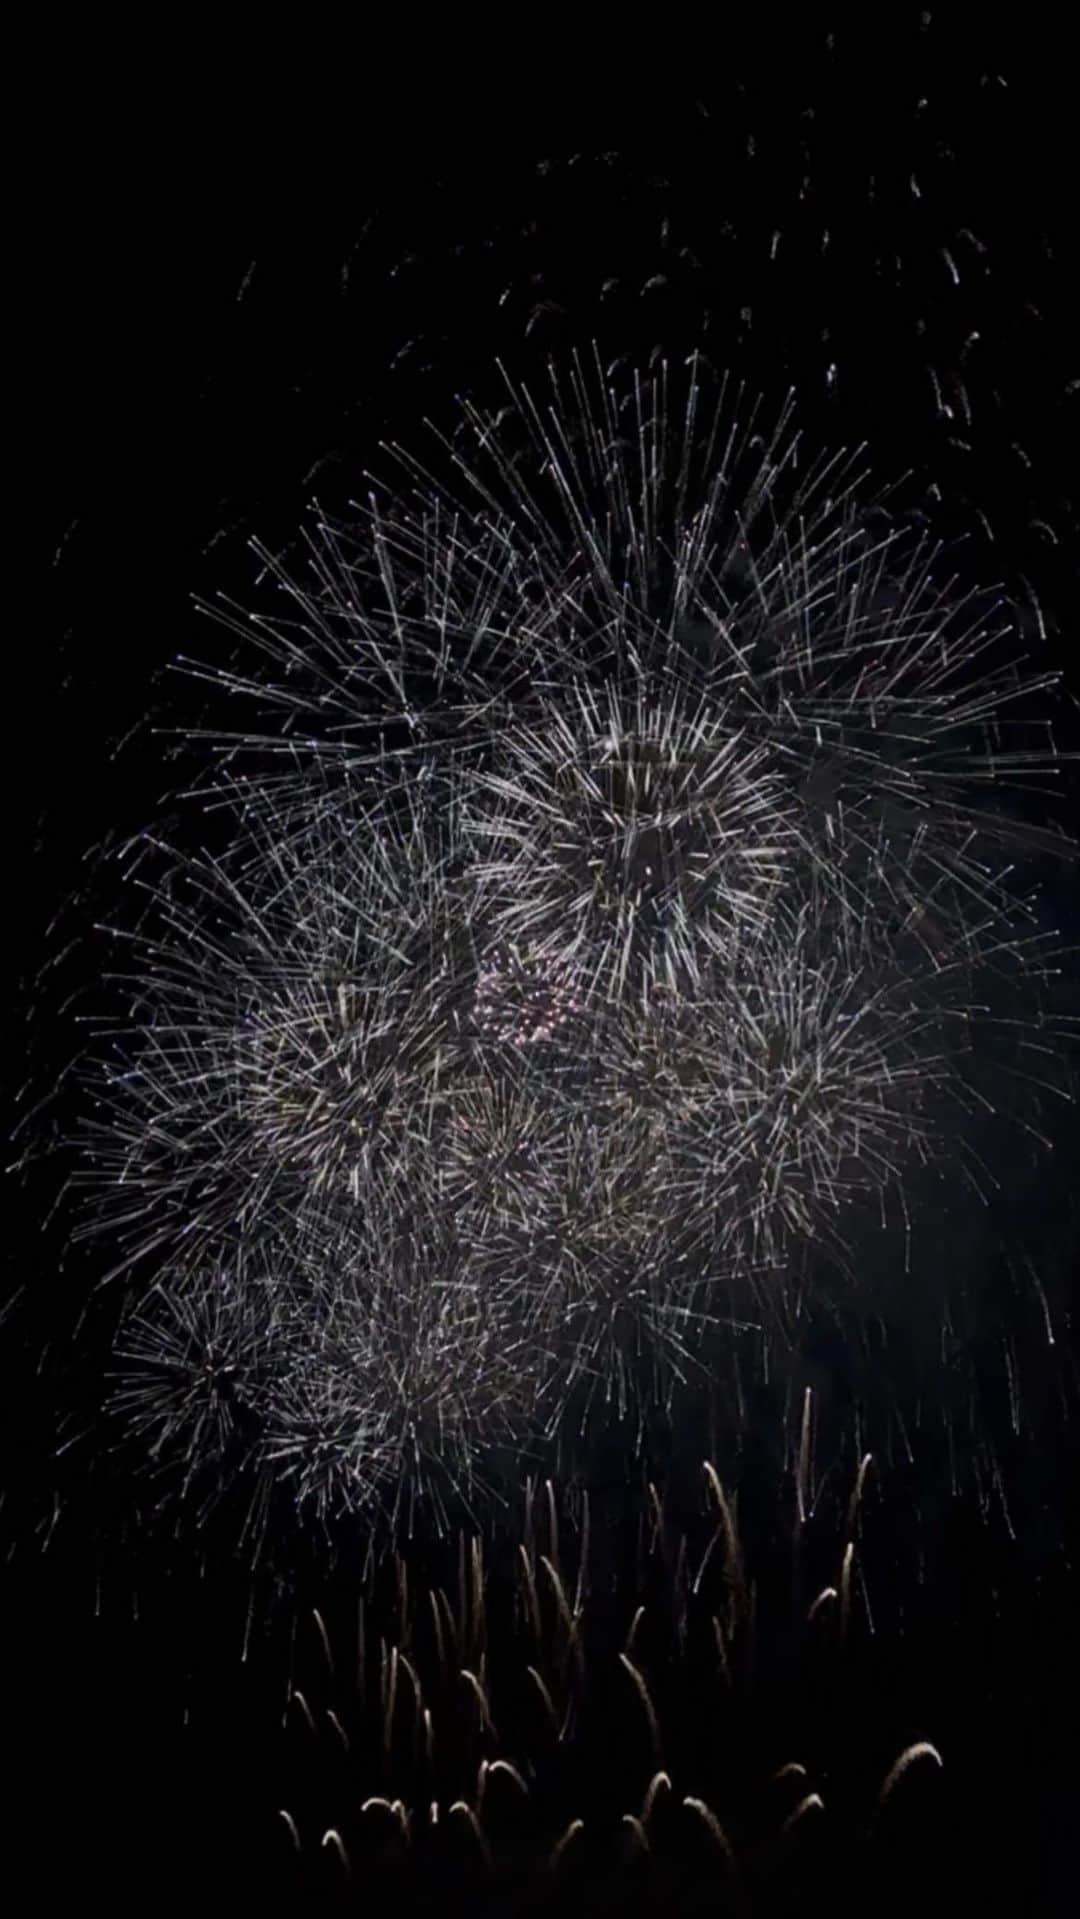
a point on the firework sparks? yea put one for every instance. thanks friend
(606, 921)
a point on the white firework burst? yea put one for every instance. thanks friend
(607, 921)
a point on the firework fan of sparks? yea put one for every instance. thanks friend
(609, 915)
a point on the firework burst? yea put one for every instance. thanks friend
(607, 921)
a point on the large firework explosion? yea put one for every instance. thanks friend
(608, 923)
(595, 982)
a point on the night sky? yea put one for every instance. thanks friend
(230, 303)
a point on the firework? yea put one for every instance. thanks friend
(608, 921)
(532, 1734)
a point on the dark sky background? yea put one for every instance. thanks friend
(231, 296)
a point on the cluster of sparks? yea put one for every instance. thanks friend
(608, 917)
(623, 1690)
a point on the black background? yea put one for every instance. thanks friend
(233, 288)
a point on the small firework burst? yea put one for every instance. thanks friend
(631, 844)
(525, 1001)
